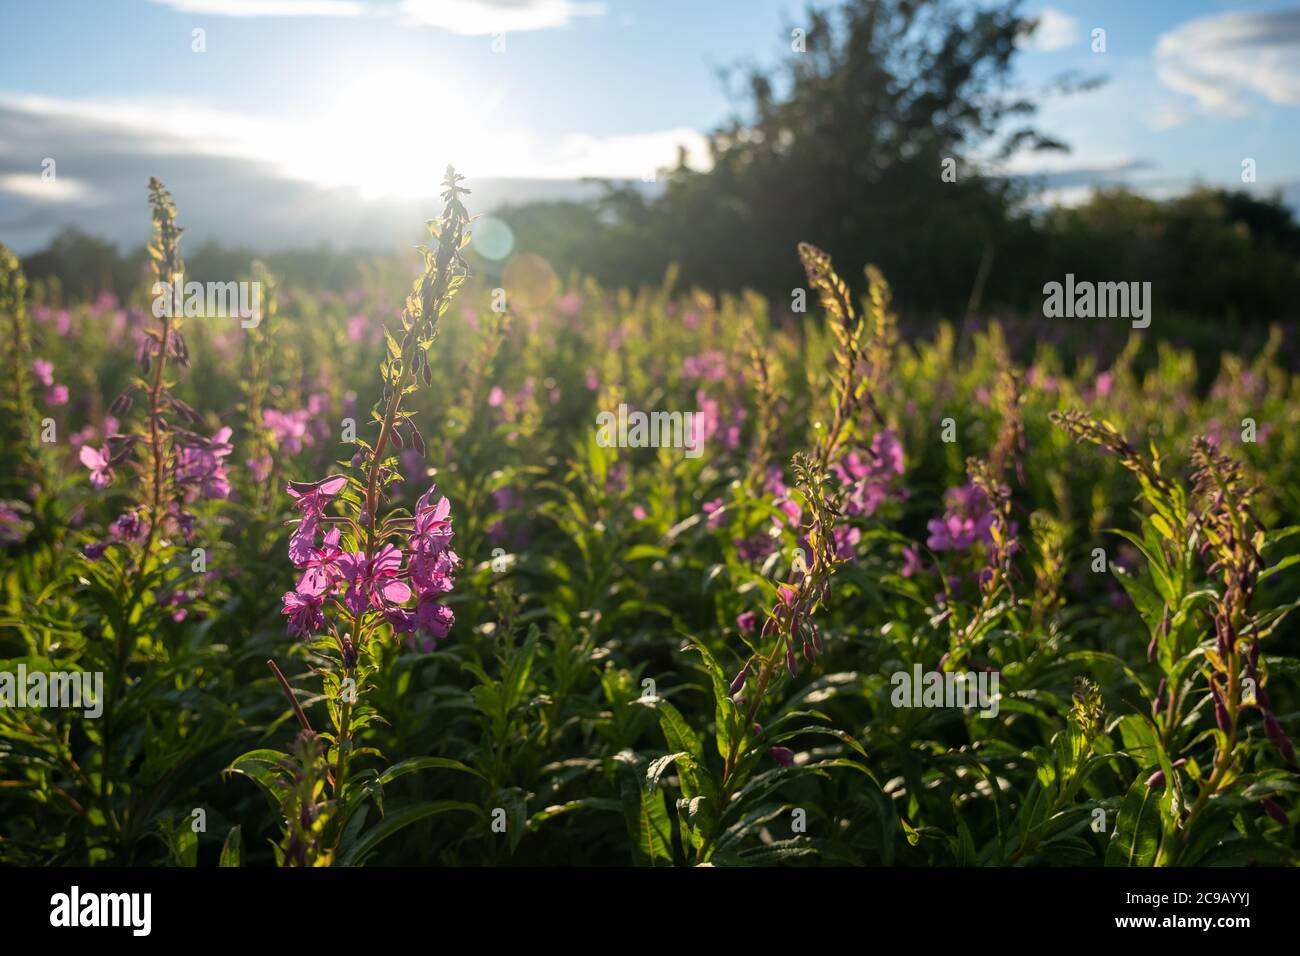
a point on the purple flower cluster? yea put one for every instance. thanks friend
(199, 472)
(14, 528)
(378, 582)
(708, 366)
(870, 478)
(966, 520)
(43, 372)
(300, 428)
(201, 466)
(708, 422)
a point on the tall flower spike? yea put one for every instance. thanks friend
(360, 576)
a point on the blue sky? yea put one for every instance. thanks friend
(368, 99)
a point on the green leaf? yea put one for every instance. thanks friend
(232, 849)
(396, 821)
(657, 768)
(726, 714)
(1289, 561)
(1136, 839)
(263, 767)
(425, 763)
(654, 829)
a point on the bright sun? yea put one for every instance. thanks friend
(386, 133)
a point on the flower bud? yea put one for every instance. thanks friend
(1278, 736)
(739, 680)
(782, 755)
(1275, 811)
(122, 404)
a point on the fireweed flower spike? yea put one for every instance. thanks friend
(140, 564)
(1223, 509)
(368, 571)
(833, 482)
(1214, 526)
(179, 466)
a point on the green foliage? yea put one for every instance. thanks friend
(657, 660)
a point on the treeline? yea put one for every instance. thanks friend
(864, 140)
(1212, 253)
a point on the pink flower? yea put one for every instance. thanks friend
(259, 468)
(311, 501)
(290, 429)
(202, 466)
(321, 568)
(432, 574)
(432, 534)
(423, 627)
(433, 617)
(43, 371)
(710, 366)
(127, 526)
(966, 519)
(304, 611)
(707, 420)
(13, 529)
(373, 583)
(784, 756)
(96, 459)
(846, 540)
(57, 395)
(870, 478)
(569, 304)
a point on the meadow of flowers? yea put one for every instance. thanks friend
(364, 587)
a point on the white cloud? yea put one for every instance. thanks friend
(32, 186)
(465, 17)
(268, 8)
(1055, 31)
(1223, 61)
(364, 142)
(480, 17)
